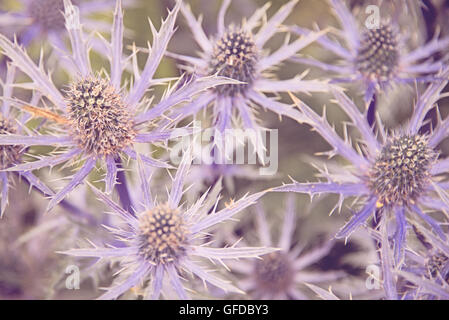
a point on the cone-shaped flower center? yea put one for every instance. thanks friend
(48, 14)
(274, 273)
(162, 235)
(9, 155)
(378, 55)
(401, 171)
(235, 56)
(101, 123)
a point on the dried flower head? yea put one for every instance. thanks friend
(98, 120)
(167, 239)
(394, 176)
(378, 53)
(378, 57)
(235, 56)
(401, 171)
(101, 123)
(48, 14)
(283, 274)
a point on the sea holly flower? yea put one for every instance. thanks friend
(11, 155)
(99, 119)
(427, 268)
(281, 274)
(238, 52)
(376, 57)
(166, 239)
(396, 175)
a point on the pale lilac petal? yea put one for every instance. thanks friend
(49, 161)
(327, 43)
(426, 101)
(358, 219)
(327, 132)
(348, 22)
(439, 134)
(117, 46)
(77, 179)
(389, 283)
(227, 213)
(197, 30)
(184, 94)
(426, 50)
(427, 285)
(322, 65)
(132, 221)
(294, 85)
(263, 231)
(221, 15)
(254, 20)
(399, 238)
(289, 224)
(80, 50)
(288, 50)
(323, 294)
(101, 252)
(158, 278)
(178, 182)
(36, 183)
(271, 26)
(147, 160)
(144, 185)
(431, 222)
(22, 61)
(318, 277)
(312, 256)
(345, 189)
(111, 174)
(160, 42)
(206, 276)
(7, 89)
(358, 120)
(275, 106)
(138, 275)
(163, 135)
(230, 253)
(176, 282)
(5, 188)
(40, 140)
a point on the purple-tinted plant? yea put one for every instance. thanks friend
(40, 19)
(166, 239)
(280, 275)
(427, 268)
(397, 175)
(99, 119)
(238, 52)
(377, 56)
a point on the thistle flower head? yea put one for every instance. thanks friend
(100, 121)
(9, 154)
(401, 171)
(377, 55)
(162, 235)
(274, 273)
(235, 56)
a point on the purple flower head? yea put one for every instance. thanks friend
(166, 239)
(283, 274)
(377, 56)
(427, 272)
(99, 119)
(398, 175)
(238, 52)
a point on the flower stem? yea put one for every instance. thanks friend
(122, 188)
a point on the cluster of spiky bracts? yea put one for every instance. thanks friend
(103, 122)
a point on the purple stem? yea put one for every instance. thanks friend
(122, 188)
